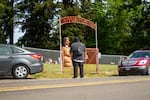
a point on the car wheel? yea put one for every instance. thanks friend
(20, 71)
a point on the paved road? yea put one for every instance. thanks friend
(106, 88)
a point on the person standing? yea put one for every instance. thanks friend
(78, 54)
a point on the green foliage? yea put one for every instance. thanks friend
(75, 8)
(123, 25)
(37, 22)
(6, 21)
(139, 24)
(2, 36)
(119, 21)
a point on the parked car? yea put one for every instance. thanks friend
(19, 62)
(137, 62)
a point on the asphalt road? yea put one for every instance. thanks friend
(104, 88)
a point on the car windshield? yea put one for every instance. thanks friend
(139, 55)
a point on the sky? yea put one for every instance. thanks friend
(17, 34)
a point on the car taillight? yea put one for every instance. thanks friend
(36, 56)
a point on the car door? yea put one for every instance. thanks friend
(5, 59)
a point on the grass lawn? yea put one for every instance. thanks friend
(53, 71)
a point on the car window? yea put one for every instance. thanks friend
(16, 50)
(140, 54)
(5, 50)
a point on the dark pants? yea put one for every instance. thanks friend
(75, 67)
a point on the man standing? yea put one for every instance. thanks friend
(78, 53)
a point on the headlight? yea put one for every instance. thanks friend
(142, 62)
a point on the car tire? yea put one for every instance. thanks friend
(20, 71)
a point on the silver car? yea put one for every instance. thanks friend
(19, 62)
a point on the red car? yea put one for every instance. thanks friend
(136, 62)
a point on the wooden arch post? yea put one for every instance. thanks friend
(77, 19)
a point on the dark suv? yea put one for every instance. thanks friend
(19, 62)
(136, 62)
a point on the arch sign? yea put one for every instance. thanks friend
(75, 19)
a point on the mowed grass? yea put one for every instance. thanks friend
(54, 71)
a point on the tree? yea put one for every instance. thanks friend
(123, 25)
(109, 22)
(7, 20)
(82, 8)
(36, 20)
(89, 13)
(117, 21)
(139, 23)
(2, 36)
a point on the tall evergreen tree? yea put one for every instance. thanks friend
(6, 21)
(37, 18)
(2, 12)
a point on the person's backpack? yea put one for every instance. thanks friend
(79, 51)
